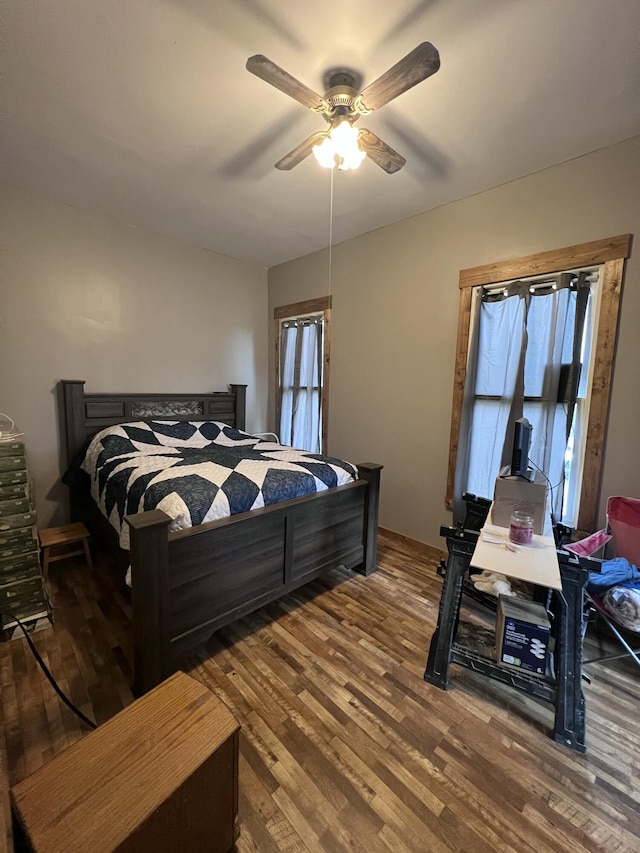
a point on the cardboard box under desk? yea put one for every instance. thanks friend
(513, 493)
(522, 635)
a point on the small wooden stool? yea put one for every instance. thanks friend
(63, 537)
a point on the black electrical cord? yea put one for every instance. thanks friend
(550, 488)
(50, 677)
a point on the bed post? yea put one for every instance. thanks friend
(370, 472)
(74, 430)
(71, 400)
(149, 543)
(241, 404)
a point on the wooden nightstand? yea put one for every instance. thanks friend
(162, 775)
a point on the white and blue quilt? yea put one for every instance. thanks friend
(198, 471)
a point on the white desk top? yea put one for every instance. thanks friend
(535, 563)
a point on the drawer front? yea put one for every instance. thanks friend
(11, 478)
(22, 591)
(18, 550)
(13, 522)
(23, 609)
(18, 562)
(11, 448)
(13, 463)
(12, 491)
(14, 575)
(11, 539)
(15, 506)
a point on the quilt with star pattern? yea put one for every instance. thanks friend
(198, 471)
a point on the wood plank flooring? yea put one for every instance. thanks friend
(343, 744)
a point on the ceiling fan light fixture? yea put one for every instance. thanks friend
(325, 153)
(340, 148)
(342, 105)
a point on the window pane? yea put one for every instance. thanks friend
(550, 330)
(300, 416)
(548, 446)
(308, 355)
(306, 421)
(485, 453)
(497, 344)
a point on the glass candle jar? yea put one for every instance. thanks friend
(521, 527)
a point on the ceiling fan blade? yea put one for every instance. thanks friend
(422, 62)
(381, 153)
(301, 151)
(281, 79)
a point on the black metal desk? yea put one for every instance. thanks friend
(563, 687)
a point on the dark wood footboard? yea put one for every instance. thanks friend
(187, 584)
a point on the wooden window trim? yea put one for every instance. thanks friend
(320, 305)
(610, 254)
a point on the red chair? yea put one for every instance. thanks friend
(619, 605)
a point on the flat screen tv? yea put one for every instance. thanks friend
(521, 444)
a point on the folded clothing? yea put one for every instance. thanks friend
(492, 583)
(612, 573)
(617, 588)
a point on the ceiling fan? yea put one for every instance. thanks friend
(342, 105)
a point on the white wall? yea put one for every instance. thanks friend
(83, 297)
(395, 308)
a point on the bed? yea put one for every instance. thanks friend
(188, 583)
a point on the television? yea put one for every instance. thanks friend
(520, 453)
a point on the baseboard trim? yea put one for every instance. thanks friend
(411, 546)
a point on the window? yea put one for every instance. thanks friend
(526, 356)
(587, 437)
(302, 373)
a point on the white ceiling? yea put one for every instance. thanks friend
(142, 110)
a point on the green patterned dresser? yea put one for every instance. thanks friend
(22, 592)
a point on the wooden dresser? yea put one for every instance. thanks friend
(162, 775)
(22, 590)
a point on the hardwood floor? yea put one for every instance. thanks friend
(343, 744)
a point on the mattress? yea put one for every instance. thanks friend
(196, 471)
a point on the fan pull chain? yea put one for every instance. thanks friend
(330, 228)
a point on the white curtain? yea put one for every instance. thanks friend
(550, 327)
(518, 345)
(501, 338)
(300, 381)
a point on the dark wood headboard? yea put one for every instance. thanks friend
(87, 414)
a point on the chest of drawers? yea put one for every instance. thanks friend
(22, 592)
